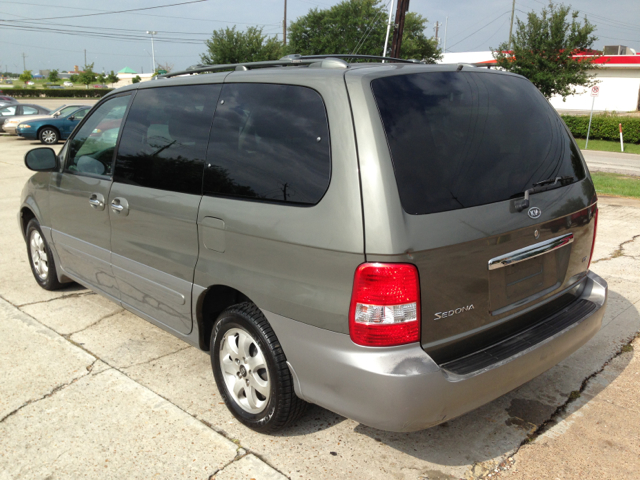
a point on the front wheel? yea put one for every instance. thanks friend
(49, 136)
(41, 258)
(251, 370)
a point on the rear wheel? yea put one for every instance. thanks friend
(251, 370)
(49, 136)
(41, 258)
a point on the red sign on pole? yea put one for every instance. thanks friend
(595, 90)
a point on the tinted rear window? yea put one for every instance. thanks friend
(461, 139)
(269, 143)
(164, 140)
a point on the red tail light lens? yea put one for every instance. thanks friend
(385, 305)
(595, 229)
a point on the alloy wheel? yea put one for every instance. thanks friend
(244, 370)
(39, 256)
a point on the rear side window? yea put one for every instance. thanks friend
(461, 139)
(270, 143)
(164, 140)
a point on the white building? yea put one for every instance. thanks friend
(619, 80)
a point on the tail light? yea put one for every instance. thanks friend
(385, 305)
(595, 229)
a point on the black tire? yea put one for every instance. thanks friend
(282, 407)
(49, 135)
(36, 243)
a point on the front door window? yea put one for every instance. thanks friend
(92, 147)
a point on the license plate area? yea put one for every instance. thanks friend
(518, 284)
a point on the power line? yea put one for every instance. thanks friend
(121, 11)
(173, 17)
(368, 31)
(481, 28)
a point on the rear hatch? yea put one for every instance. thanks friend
(465, 147)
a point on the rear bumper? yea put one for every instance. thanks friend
(402, 388)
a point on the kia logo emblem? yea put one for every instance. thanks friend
(534, 212)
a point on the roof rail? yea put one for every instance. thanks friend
(295, 59)
(364, 57)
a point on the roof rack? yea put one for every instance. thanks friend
(330, 61)
(365, 57)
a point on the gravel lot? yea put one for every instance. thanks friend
(90, 390)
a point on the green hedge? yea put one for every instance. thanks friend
(604, 127)
(58, 92)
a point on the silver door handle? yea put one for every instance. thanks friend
(116, 207)
(96, 200)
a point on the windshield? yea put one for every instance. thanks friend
(462, 139)
(67, 111)
(57, 110)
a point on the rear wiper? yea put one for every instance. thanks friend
(542, 186)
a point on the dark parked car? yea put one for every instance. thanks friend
(399, 243)
(10, 111)
(50, 130)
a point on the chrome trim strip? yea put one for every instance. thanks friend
(530, 252)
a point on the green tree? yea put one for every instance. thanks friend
(136, 79)
(25, 76)
(163, 68)
(74, 78)
(358, 26)
(53, 76)
(112, 78)
(88, 76)
(543, 50)
(231, 46)
(102, 79)
(415, 44)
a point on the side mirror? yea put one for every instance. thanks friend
(72, 117)
(41, 160)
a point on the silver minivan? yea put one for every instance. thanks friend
(399, 243)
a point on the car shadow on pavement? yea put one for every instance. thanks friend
(502, 425)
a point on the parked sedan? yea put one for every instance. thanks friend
(12, 123)
(7, 100)
(20, 109)
(52, 129)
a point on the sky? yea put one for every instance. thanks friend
(117, 40)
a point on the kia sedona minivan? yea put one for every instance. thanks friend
(399, 243)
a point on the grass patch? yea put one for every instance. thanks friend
(608, 146)
(616, 184)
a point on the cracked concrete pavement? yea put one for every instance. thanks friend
(88, 389)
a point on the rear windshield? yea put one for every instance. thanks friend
(461, 139)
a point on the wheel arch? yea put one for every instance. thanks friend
(211, 303)
(26, 214)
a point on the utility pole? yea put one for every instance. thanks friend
(85, 56)
(436, 28)
(513, 9)
(446, 25)
(284, 25)
(386, 39)
(403, 7)
(153, 52)
(24, 63)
